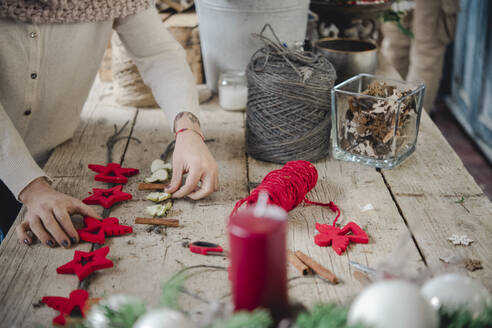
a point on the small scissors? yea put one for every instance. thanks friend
(206, 248)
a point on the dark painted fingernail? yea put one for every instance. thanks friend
(64, 243)
(50, 243)
(26, 241)
(73, 239)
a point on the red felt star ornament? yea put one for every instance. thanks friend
(96, 230)
(84, 263)
(67, 306)
(338, 238)
(107, 197)
(112, 172)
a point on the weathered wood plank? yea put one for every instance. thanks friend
(29, 273)
(351, 187)
(146, 259)
(421, 193)
(427, 187)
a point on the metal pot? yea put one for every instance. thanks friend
(349, 57)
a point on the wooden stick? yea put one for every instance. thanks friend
(298, 264)
(316, 267)
(164, 222)
(152, 186)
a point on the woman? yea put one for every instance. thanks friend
(50, 52)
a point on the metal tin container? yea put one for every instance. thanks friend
(226, 27)
(349, 57)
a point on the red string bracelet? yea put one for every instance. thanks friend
(186, 129)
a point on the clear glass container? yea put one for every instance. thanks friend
(375, 120)
(233, 90)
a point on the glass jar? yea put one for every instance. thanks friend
(375, 120)
(233, 90)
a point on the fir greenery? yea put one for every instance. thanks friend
(464, 319)
(324, 316)
(321, 316)
(171, 290)
(255, 319)
(396, 17)
(125, 316)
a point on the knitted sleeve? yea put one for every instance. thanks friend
(161, 61)
(17, 167)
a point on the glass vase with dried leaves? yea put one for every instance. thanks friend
(375, 121)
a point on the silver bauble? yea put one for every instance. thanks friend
(163, 318)
(390, 304)
(96, 318)
(455, 291)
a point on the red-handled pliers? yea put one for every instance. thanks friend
(206, 248)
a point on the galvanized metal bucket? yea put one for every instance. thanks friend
(226, 27)
(349, 57)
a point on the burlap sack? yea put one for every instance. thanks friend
(129, 88)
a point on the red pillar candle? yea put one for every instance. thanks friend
(258, 255)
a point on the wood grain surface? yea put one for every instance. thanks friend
(407, 212)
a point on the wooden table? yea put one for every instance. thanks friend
(419, 199)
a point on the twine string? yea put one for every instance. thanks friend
(279, 49)
(289, 103)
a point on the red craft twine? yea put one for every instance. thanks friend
(288, 187)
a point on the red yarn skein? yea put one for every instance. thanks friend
(288, 187)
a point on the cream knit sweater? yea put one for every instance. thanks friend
(69, 11)
(46, 72)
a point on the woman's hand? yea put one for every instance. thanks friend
(192, 156)
(48, 215)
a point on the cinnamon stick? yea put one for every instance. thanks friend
(156, 221)
(152, 186)
(298, 264)
(316, 267)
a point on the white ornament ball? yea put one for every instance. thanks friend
(163, 318)
(96, 318)
(390, 304)
(455, 291)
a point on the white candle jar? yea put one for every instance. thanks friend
(233, 90)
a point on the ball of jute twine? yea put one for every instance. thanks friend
(288, 111)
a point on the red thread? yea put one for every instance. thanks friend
(189, 129)
(332, 206)
(288, 187)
